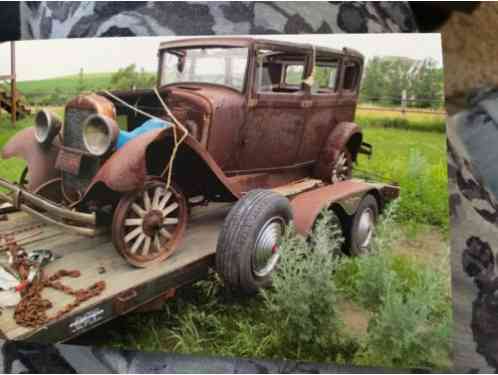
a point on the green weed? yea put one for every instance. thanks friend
(417, 162)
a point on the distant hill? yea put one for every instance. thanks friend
(56, 91)
(66, 84)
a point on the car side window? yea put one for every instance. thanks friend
(325, 80)
(278, 72)
(351, 76)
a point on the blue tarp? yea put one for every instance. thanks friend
(124, 136)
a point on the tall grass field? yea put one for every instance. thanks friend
(393, 118)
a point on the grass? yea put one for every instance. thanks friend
(11, 169)
(427, 122)
(417, 161)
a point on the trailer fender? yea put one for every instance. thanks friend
(149, 154)
(344, 134)
(343, 197)
(40, 159)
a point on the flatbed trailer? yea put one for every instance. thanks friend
(129, 288)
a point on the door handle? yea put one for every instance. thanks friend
(306, 103)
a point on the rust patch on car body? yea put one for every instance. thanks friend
(95, 103)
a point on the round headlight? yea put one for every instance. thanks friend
(47, 126)
(99, 134)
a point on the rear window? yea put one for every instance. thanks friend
(325, 77)
(351, 76)
(294, 74)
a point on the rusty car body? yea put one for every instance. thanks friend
(259, 114)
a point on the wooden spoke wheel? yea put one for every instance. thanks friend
(342, 169)
(149, 224)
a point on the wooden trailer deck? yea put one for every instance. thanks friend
(126, 287)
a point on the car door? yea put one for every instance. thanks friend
(276, 111)
(325, 111)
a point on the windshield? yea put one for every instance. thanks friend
(223, 66)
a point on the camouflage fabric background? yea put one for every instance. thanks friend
(474, 208)
(473, 173)
(40, 20)
(23, 357)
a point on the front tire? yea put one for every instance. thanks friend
(247, 250)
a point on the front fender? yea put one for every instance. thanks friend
(40, 159)
(148, 155)
(344, 133)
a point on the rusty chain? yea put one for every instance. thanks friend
(31, 311)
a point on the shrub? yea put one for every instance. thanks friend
(408, 330)
(423, 191)
(366, 279)
(302, 303)
(411, 303)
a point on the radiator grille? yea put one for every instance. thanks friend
(73, 137)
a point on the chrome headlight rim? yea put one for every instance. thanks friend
(47, 126)
(99, 134)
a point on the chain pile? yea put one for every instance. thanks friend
(31, 311)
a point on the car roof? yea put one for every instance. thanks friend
(248, 41)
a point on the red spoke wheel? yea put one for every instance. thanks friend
(148, 225)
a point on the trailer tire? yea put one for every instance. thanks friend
(362, 226)
(246, 250)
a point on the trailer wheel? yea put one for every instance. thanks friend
(247, 251)
(363, 225)
(149, 224)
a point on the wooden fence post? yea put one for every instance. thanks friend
(13, 90)
(403, 102)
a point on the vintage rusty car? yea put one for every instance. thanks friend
(261, 116)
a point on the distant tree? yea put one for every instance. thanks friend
(385, 78)
(427, 84)
(398, 79)
(374, 82)
(129, 78)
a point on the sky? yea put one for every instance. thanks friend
(43, 59)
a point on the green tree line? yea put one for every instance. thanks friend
(385, 79)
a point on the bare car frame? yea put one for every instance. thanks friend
(259, 116)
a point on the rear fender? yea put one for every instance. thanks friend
(343, 197)
(344, 133)
(194, 170)
(40, 159)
